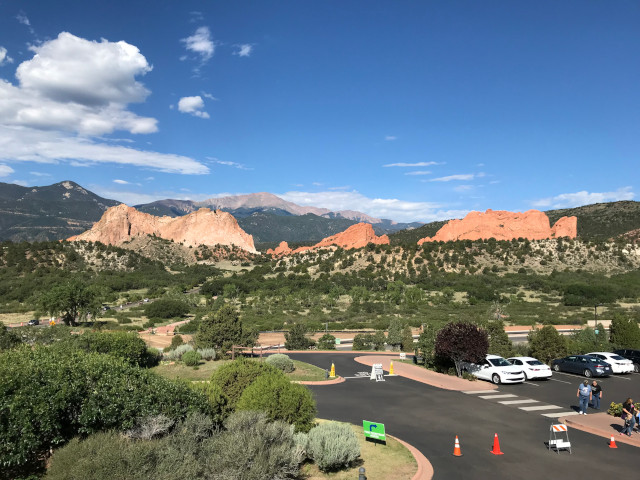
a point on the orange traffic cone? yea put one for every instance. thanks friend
(612, 443)
(496, 446)
(456, 449)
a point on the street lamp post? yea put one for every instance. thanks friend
(595, 316)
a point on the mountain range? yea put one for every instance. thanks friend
(65, 209)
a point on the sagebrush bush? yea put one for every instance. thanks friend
(194, 449)
(191, 359)
(150, 427)
(281, 362)
(332, 446)
(175, 355)
(207, 353)
(280, 399)
(234, 377)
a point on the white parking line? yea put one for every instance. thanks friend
(539, 407)
(561, 381)
(621, 378)
(473, 392)
(529, 383)
(559, 414)
(516, 402)
(505, 395)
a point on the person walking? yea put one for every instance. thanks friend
(584, 395)
(596, 395)
(629, 416)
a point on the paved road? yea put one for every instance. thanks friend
(429, 418)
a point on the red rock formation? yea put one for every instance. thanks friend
(356, 236)
(282, 249)
(503, 225)
(203, 227)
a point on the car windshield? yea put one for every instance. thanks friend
(499, 362)
(534, 362)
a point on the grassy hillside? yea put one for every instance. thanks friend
(407, 237)
(602, 220)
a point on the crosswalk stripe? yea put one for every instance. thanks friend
(515, 402)
(559, 414)
(539, 407)
(505, 395)
(473, 392)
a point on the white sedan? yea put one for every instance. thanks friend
(532, 367)
(618, 364)
(495, 369)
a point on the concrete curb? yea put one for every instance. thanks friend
(600, 424)
(336, 380)
(425, 469)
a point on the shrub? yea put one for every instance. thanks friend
(126, 345)
(8, 339)
(281, 362)
(218, 401)
(327, 342)
(207, 353)
(150, 427)
(234, 377)
(193, 449)
(333, 445)
(175, 355)
(280, 399)
(615, 409)
(296, 339)
(176, 341)
(362, 341)
(166, 308)
(191, 359)
(71, 393)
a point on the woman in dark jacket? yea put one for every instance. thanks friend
(628, 415)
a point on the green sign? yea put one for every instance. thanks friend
(374, 430)
(337, 341)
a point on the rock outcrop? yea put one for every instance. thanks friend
(202, 227)
(356, 236)
(503, 225)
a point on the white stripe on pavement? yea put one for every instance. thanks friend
(505, 395)
(559, 414)
(473, 392)
(539, 407)
(516, 402)
(561, 381)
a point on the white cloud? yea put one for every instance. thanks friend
(227, 163)
(121, 182)
(22, 18)
(22, 183)
(40, 174)
(23, 144)
(418, 164)
(200, 43)
(193, 106)
(243, 50)
(69, 94)
(4, 58)
(419, 172)
(377, 207)
(209, 96)
(577, 199)
(5, 170)
(390, 138)
(463, 188)
(467, 176)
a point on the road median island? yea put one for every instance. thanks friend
(420, 374)
(602, 425)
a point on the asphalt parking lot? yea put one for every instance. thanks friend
(429, 418)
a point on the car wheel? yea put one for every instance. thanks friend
(496, 379)
(526, 377)
(556, 368)
(636, 368)
(587, 373)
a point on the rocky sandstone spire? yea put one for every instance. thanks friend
(356, 236)
(203, 227)
(503, 225)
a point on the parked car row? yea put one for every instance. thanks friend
(518, 369)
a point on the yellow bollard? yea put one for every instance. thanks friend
(333, 371)
(391, 369)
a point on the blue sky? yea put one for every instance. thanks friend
(409, 110)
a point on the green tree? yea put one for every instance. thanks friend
(8, 339)
(166, 308)
(378, 341)
(73, 301)
(546, 343)
(407, 339)
(624, 332)
(426, 345)
(499, 342)
(234, 377)
(221, 330)
(327, 342)
(296, 338)
(394, 335)
(462, 342)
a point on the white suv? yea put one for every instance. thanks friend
(495, 369)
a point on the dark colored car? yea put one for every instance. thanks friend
(34, 322)
(633, 355)
(586, 365)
